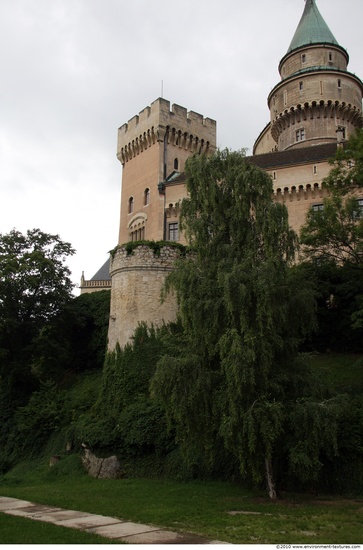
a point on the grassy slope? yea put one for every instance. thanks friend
(198, 507)
(201, 508)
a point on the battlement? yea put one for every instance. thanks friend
(157, 120)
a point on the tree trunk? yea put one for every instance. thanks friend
(270, 479)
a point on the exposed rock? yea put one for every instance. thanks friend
(101, 468)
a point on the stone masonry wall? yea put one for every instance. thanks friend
(137, 281)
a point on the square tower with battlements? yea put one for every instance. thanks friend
(151, 146)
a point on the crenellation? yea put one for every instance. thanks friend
(179, 111)
(156, 121)
(303, 192)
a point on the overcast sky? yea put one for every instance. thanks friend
(73, 71)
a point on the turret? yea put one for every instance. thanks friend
(316, 94)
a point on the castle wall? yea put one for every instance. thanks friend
(137, 281)
(299, 187)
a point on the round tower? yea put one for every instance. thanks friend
(138, 277)
(316, 95)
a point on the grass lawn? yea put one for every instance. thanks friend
(216, 510)
(343, 371)
(15, 530)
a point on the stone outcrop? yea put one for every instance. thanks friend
(101, 468)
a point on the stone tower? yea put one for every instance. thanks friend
(150, 147)
(317, 96)
(153, 145)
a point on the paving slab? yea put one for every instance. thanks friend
(87, 521)
(7, 503)
(31, 511)
(122, 529)
(56, 516)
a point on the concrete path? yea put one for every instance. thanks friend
(113, 528)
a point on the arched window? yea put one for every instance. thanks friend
(131, 205)
(176, 164)
(146, 196)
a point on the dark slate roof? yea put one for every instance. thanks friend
(312, 29)
(103, 274)
(175, 177)
(279, 159)
(302, 155)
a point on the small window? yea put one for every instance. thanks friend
(358, 209)
(274, 176)
(330, 56)
(146, 196)
(315, 170)
(285, 97)
(339, 83)
(131, 205)
(303, 58)
(301, 86)
(176, 164)
(300, 134)
(317, 208)
(173, 231)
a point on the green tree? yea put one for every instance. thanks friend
(334, 233)
(332, 243)
(34, 286)
(243, 311)
(347, 172)
(76, 339)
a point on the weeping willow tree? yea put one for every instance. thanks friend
(243, 310)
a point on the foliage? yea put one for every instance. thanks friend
(125, 416)
(34, 286)
(76, 339)
(243, 319)
(339, 294)
(347, 172)
(334, 233)
(332, 240)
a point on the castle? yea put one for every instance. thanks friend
(315, 107)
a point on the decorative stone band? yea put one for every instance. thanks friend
(144, 257)
(173, 136)
(300, 193)
(322, 109)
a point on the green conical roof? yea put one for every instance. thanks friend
(312, 29)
